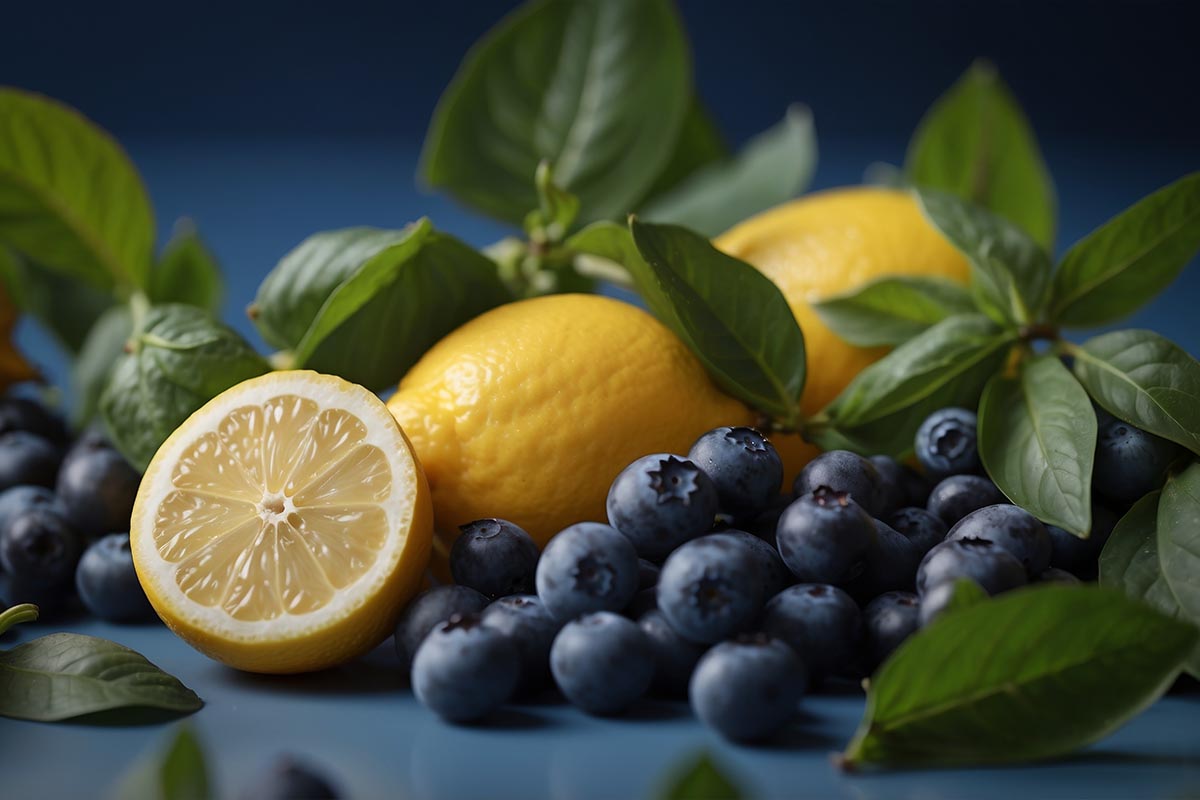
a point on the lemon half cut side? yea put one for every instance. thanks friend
(284, 525)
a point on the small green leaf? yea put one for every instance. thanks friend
(1028, 675)
(181, 358)
(890, 311)
(1010, 272)
(66, 307)
(186, 271)
(572, 82)
(365, 303)
(947, 365)
(1124, 263)
(700, 143)
(1179, 538)
(94, 364)
(1146, 380)
(771, 168)
(700, 779)
(178, 772)
(65, 675)
(71, 199)
(1037, 440)
(976, 143)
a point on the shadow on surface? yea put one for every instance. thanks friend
(360, 677)
(126, 717)
(512, 719)
(1124, 757)
(651, 710)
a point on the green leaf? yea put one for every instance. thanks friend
(1124, 263)
(699, 143)
(187, 272)
(890, 311)
(94, 364)
(65, 675)
(771, 168)
(1037, 440)
(729, 314)
(64, 306)
(1028, 675)
(700, 779)
(178, 772)
(976, 143)
(365, 303)
(947, 365)
(1179, 538)
(70, 199)
(572, 82)
(181, 358)
(967, 593)
(1146, 380)
(1010, 272)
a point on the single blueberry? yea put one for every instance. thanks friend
(494, 557)
(776, 575)
(648, 573)
(98, 488)
(1012, 528)
(922, 528)
(745, 468)
(889, 565)
(464, 670)
(28, 459)
(946, 443)
(764, 523)
(19, 498)
(711, 588)
(25, 414)
(845, 472)
(1078, 556)
(602, 662)
(1130, 463)
(661, 501)
(674, 656)
(288, 778)
(646, 598)
(428, 609)
(39, 550)
(107, 583)
(894, 480)
(823, 536)
(955, 497)
(821, 623)
(888, 620)
(991, 566)
(1056, 575)
(89, 441)
(524, 620)
(749, 688)
(587, 567)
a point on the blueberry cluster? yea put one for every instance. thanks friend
(64, 517)
(708, 583)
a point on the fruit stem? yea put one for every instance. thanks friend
(26, 612)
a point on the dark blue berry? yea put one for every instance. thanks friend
(98, 488)
(955, 497)
(587, 567)
(1130, 463)
(28, 459)
(711, 588)
(674, 656)
(745, 468)
(290, 779)
(845, 472)
(24, 414)
(648, 573)
(776, 575)
(946, 443)
(494, 557)
(107, 583)
(749, 688)
(888, 620)
(19, 498)
(1078, 556)
(823, 536)
(894, 482)
(428, 609)
(661, 501)
(1056, 575)
(602, 662)
(1012, 528)
(524, 620)
(889, 565)
(821, 623)
(922, 528)
(764, 523)
(646, 598)
(39, 550)
(464, 670)
(995, 569)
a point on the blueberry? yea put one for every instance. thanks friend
(648, 573)
(24, 414)
(919, 526)
(646, 598)
(98, 488)
(494, 557)
(821, 623)
(823, 536)
(1010, 527)
(464, 670)
(935, 601)
(894, 482)
(749, 688)
(602, 662)
(39, 550)
(290, 779)
(587, 567)
(19, 498)
(711, 588)
(427, 610)
(776, 575)
(845, 472)
(1056, 575)
(745, 468)
(890, 565)
(946, 443)
(1077, 556)
(1130, 463)
(89, 441)
(991, 566)
(524, 620)
(764, 523)
(955, 497)
(888, 620)
(661, 501)
(674, 656)
(28, 459)
(107, 583)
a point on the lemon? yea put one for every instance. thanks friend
(529, 411)
(284, 525)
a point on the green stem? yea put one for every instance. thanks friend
(601, 269)
(26, 612)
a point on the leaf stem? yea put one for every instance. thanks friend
(26, 612)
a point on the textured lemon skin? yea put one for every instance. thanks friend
(529, 411)
(351, 635)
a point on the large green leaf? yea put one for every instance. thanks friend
(91, 369)
(771, 168)
(65, 306)
(187, 272)
(1037, 440)
(1124, 263)
(1146, 380)
(70, 199)
(1029, 675)
(599, 88)
(976, 143)
(1179, 538)
(890, 311)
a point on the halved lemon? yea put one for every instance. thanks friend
(284, 525)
